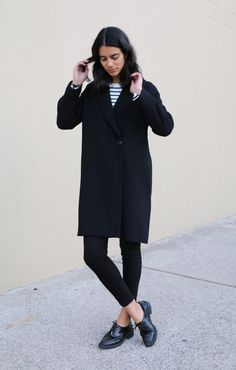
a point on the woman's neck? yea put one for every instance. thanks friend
(116, 80)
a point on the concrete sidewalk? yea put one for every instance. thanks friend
(190, 279)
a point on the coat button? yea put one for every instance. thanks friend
(119, 142)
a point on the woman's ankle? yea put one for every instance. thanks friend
(124, 318)
(135, 310)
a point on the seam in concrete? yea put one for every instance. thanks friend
(185, 276)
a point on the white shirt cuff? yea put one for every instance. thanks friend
(74, 87)
(135, 97)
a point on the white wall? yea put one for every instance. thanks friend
(186, 48)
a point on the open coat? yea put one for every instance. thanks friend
(116, 166)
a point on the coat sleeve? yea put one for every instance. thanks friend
(70, 108)
(154, 112)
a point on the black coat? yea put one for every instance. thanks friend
(116, 166)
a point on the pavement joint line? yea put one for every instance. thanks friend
(185, 276)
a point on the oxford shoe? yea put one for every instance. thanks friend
(148, 330)
(116, 336)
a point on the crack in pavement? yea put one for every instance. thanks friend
(185, 276)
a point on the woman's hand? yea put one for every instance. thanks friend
(137, 83)
(80, 72)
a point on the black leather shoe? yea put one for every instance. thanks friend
(116, 336)
(148, 331)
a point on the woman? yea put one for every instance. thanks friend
(116, 109)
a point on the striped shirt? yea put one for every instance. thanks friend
(115, 90)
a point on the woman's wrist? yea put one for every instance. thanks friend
(77, 83)
(136, 91)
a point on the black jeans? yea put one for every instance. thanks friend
(125, 288)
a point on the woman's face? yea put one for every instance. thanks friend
(112, 59)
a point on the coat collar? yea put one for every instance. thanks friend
(114, 114)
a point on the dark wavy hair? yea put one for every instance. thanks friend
(113, 36)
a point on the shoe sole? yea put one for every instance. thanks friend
(128, 336)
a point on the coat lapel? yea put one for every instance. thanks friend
(114, 114)
(106, 106)
(123, 103)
